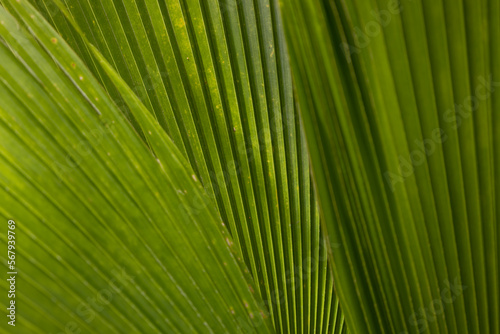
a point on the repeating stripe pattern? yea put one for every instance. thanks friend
(90, 232)
(215, 75)
(400, 104)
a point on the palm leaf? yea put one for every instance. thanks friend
(124, 211)
(215, 77)
(400, 105)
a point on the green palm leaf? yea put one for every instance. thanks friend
(155, 159)
(216, 80)
(400, 105)
(73, 251)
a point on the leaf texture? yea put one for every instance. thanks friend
(215, 75)
(400, 107)
(108, 242)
